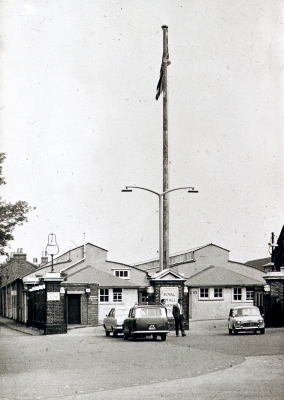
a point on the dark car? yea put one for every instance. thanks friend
(114, 320)
(245, 318)
(143, 321)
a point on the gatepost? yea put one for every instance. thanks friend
(169, 285)
(55, 318)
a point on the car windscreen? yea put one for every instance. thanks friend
(150, 312)
(246, 312)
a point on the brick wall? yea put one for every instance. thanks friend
(89, 301)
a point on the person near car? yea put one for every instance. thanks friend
(179, 317)
(163, 303)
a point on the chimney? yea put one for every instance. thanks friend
(20, 255)
(44, 258)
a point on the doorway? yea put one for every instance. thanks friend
(74, 309)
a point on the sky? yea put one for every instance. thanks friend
(79, 122)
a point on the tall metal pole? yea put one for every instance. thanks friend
(165, 151)
(161, 238)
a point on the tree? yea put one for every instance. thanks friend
(11, 215)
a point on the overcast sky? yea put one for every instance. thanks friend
(79, 121)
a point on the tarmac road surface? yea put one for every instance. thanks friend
(85, 364)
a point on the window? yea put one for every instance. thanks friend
(204, 293)
(117, 295)
(249, 294)
(143, 297)
(124, 274)
(104, 295)
(237, 294)
(218, 292)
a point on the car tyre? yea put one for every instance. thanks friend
(163, 336)
(107, 332)
(262, 331)
(154, 336)
(235, 332)
(114, 333)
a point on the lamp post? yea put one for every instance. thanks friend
(272, 249)
(163, 262)
(52, 248)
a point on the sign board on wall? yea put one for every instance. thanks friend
(53, 296)
(170, 295)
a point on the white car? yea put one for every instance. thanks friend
(114, 320)
(245, 318)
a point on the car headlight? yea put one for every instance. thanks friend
(260, 321)
(238, 322)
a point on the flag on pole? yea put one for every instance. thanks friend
(159, 89)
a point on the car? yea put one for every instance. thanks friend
(146, 320)
(114, 320)
(245, 319)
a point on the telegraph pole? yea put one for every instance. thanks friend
(165, 63)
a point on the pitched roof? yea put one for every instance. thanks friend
(90, 274)
(259, 263)
(218, 276)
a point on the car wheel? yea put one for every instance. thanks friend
(163, 337)
(262, 331)
(235, 332)
(154, 336)
(134, 337)
(230, 331)
(107, 332)
(114, 332)
(255, 331)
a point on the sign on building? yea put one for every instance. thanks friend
(170, 295)
(53, 296)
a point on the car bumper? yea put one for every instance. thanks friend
(150, 332)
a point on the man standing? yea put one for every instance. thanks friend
(178, 316)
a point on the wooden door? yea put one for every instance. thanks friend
(74, 309)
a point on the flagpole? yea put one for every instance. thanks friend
(165, 151)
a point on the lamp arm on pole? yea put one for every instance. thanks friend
(139, 187)
(181, 188)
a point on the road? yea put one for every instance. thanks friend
(85, 364)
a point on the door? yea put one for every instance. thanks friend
(74, 309)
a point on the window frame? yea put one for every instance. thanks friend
(122, 273)
(117, 295)
(104, 295)
(218, 291)
(250, 291)
(204, 291)
(236, 295)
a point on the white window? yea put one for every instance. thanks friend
(104, 297)
(122, 273)
(249, 294)
(218, 293)
(237, 294)
(117, 295)
(204, 293)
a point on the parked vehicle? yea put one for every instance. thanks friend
(245, 318)
(114, 320)
(144, 321)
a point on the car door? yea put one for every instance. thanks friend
(128, 322)
(110, 320)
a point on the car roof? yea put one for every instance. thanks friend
(151, 306)
(237, 307)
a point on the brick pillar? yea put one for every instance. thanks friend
(55, 318)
